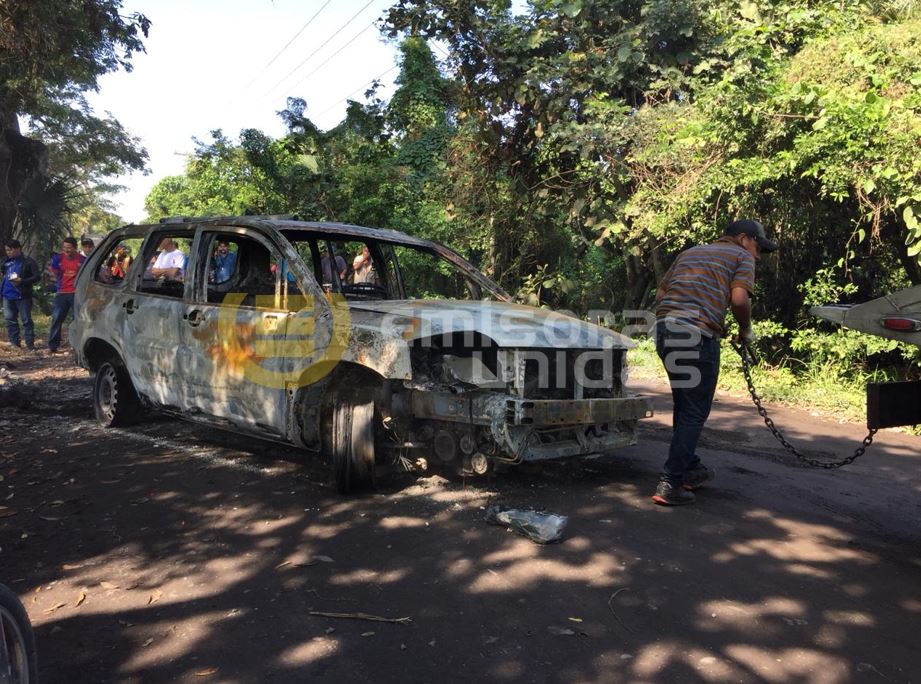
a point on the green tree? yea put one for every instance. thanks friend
(51, 53)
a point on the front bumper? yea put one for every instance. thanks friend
(539, 429)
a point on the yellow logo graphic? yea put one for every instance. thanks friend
(298, 345)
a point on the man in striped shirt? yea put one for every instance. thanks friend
(691, 305)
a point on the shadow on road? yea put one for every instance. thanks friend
(200, 555)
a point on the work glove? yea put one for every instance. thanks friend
(747, 336)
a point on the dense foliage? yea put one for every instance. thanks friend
(573, 150)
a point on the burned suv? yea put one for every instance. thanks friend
(368, 345)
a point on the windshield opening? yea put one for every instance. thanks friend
(368, 269)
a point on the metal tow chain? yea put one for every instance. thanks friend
(748, 358)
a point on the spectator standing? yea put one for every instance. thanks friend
(19, 274)
(332, 262)
(224, 263)
(64, 267)
(363, 268)
(86, 247)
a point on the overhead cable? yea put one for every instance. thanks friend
(325, 43)
(357, 90)
(288, 44)
(328, 59)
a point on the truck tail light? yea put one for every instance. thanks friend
(901, 323)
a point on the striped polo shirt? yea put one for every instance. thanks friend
(696, 289)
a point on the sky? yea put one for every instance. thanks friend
(209, 64)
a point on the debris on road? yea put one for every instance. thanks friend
(362, 616)
(542, 528)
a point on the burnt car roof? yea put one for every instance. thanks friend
(286, 223)
(291, 223)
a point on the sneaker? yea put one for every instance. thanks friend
(697, 477)
(670, 494)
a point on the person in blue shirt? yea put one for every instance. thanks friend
(223, 264)
(19, 274)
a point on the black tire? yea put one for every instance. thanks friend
(18, 661)
(115, 400)
(352, 446)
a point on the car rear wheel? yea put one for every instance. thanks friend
(17, 642)
(352, 446)
(115, 400)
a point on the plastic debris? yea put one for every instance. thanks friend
(542, 528)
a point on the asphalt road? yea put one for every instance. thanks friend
(174, 552)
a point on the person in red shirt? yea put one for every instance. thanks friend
(64, 267)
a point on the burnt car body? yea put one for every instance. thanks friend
(360, 358)
(895, 316)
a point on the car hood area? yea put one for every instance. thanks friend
(508, 325)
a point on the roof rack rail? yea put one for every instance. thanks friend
(192, 219)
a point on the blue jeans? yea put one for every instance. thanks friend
(62, 305)
(692, 361)
(13, 310)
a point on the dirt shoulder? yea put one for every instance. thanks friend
(173, 552)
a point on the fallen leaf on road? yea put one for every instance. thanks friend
(293, 565)
(154, 597)
(367, 634)
(80, 599)
(57, 502)
(108, 585)
(325, 559)
(574, 619)
(50, 518)
(147, 643)
(109, 481)
(51, 610)
(205, 673)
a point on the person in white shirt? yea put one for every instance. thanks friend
(86, 247)
(170, 262)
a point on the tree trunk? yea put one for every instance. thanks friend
(23, 161)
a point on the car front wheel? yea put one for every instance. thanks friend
(353, 446)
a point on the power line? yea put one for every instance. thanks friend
(288, 44)
(325, 43)
(328, 59)
(357, 90)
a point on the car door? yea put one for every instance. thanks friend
(154, 306)
(233, 360)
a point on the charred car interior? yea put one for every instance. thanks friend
(366, 345)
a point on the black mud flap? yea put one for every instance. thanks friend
(891, 404)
